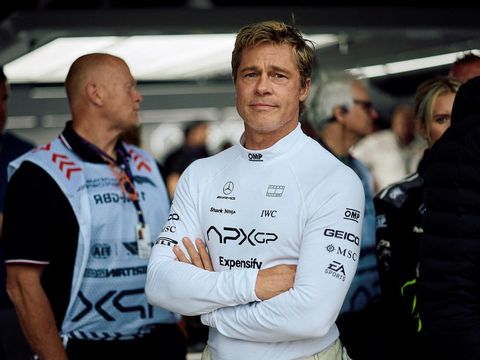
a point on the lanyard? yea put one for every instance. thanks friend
(122, 173)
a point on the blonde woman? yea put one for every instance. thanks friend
(399, 209)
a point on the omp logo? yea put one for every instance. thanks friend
(336, 269)
(255, 157)
(351, 214)
(228, 188)
(239, 235)
(275, 190)
(101, 251)
(339, 234)
(269, 213)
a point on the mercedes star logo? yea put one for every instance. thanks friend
(228, 188)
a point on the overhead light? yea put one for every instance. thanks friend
(410, 65)
(150, 58)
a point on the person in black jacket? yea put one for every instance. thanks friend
(449, 282)
(399, 208)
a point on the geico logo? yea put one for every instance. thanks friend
(339, 234)
(169, 228)
(349, 254)
(233, 234)
(173, 216)
(255, 157)
(351, 214)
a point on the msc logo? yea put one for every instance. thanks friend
(330, 248)
(254, 157)
(349, 254)
(169, 228)
(101, 251)
(339, 234)
(351, 214)
(228, 188)
(254, 237)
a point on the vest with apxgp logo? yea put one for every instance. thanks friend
(107, 295)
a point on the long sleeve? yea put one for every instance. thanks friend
(327, 263)
(184, 288)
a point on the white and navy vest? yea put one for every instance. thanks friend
(107, 299)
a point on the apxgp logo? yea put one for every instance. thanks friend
(253, 237)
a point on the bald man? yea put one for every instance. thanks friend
(78, 217)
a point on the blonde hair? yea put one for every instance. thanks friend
(428, 91)
(275, 32)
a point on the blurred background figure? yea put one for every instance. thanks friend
(466, 67)
(340, 113)
(393, 153)
(399, 210)
(194, 147)
(13, 345)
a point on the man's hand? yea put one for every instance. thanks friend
(274, 281)
(199, 255)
